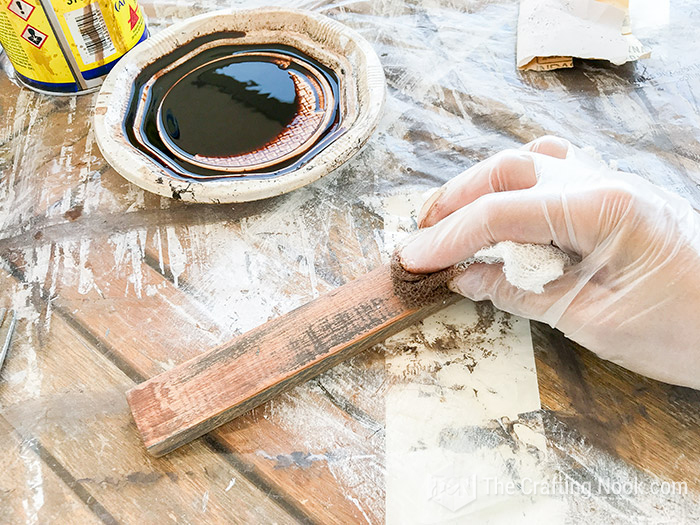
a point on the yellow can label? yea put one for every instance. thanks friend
(96, 33)
(99, 32)
(30, 43)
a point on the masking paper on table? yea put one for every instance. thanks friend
(464, 436)
(552, 32)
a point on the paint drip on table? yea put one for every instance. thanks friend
(67, 47)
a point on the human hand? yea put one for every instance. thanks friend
(634, 294)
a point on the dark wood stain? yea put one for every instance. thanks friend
(74, 213)
(216, 133)
(648, 424)
(229, 107)
(599, 431)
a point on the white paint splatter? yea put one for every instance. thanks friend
(205, 501)
(129, 247)
(86, 278)
(35, 481)
(176, 255)
(356, 502)
(323, 436)
(230, 484)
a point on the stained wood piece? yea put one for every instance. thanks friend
(179, 405)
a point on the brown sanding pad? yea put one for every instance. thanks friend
(421, 289)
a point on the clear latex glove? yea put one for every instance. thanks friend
(633, 298)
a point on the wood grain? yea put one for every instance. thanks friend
(588, 401)
(91, 447)
(188, 401)
(141, 344)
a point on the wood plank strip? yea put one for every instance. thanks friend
(194, 398)
(243, 255)
(18, 496)
(280, 435)
(643, 422)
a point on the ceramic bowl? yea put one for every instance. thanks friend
(361, 87)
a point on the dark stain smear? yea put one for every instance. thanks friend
(471, 439)
(601, 431)
(302, 460)
(487, 316)
(144, 478)
(74, 213)
(172, 476)
(268, 105)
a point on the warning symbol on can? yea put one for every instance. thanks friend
(34, 36)
(21, 8)
(68, 46)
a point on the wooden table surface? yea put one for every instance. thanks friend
(113, 285)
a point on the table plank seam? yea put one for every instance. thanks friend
(74, 485)
(276, 493)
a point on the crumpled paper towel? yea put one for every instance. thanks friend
(551, 32)
(527, 266)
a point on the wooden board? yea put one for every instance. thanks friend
(188, 401)
(588, 402)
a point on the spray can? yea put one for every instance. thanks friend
(68, 46)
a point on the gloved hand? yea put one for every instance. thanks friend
(632, 297)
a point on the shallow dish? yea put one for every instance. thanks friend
(138, 134)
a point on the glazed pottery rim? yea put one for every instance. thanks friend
(322, 38)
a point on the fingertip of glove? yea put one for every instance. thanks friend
(551, 146)
(408, 254)
(427, 211)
